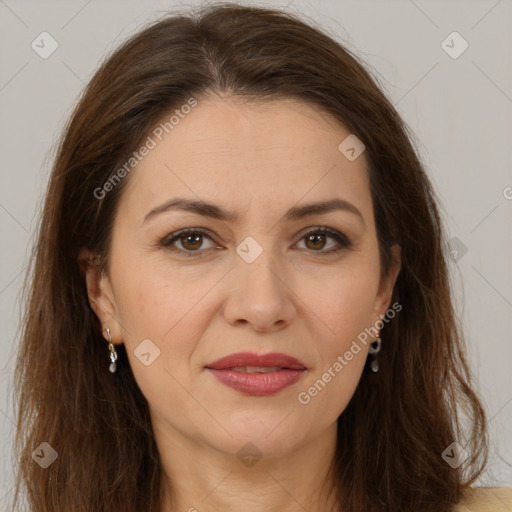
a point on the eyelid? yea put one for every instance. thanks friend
(340, 237)
(168, 240)
(328, 231)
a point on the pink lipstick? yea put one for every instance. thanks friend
(257, 375)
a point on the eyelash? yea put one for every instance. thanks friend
(343, 241)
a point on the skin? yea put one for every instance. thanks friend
(258, 160)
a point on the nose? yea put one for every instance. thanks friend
(260, 295)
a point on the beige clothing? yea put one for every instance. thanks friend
(486, 499)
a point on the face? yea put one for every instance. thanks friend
(188, 286)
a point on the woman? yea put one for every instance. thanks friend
(239, 296)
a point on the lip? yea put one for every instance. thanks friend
(251, 359)
(257, 384)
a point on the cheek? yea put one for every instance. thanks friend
(158, 320)
(152, 295)
(341, 355)
(345, 308)
(345, 304)
(165, 306)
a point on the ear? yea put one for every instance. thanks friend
(387, 283)
(101, 296)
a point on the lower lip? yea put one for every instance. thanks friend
(257, 384)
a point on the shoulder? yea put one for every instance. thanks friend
(486, 499)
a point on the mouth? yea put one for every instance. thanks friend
(256, 369)
(257, 375)
(243, 361)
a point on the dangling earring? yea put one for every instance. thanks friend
(113, 354)
(373, 350)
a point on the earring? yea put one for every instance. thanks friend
(113, 354)
(373, 350)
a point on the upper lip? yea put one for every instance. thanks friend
(251, 359)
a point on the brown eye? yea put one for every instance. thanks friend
(191, 240)
(317, 240)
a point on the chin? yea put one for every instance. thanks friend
(276, 433)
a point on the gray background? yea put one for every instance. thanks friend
(459, 109)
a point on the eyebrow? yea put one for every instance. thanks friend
(216, 212)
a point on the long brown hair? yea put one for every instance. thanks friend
(392, 434)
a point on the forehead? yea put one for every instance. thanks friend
(240, 152)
